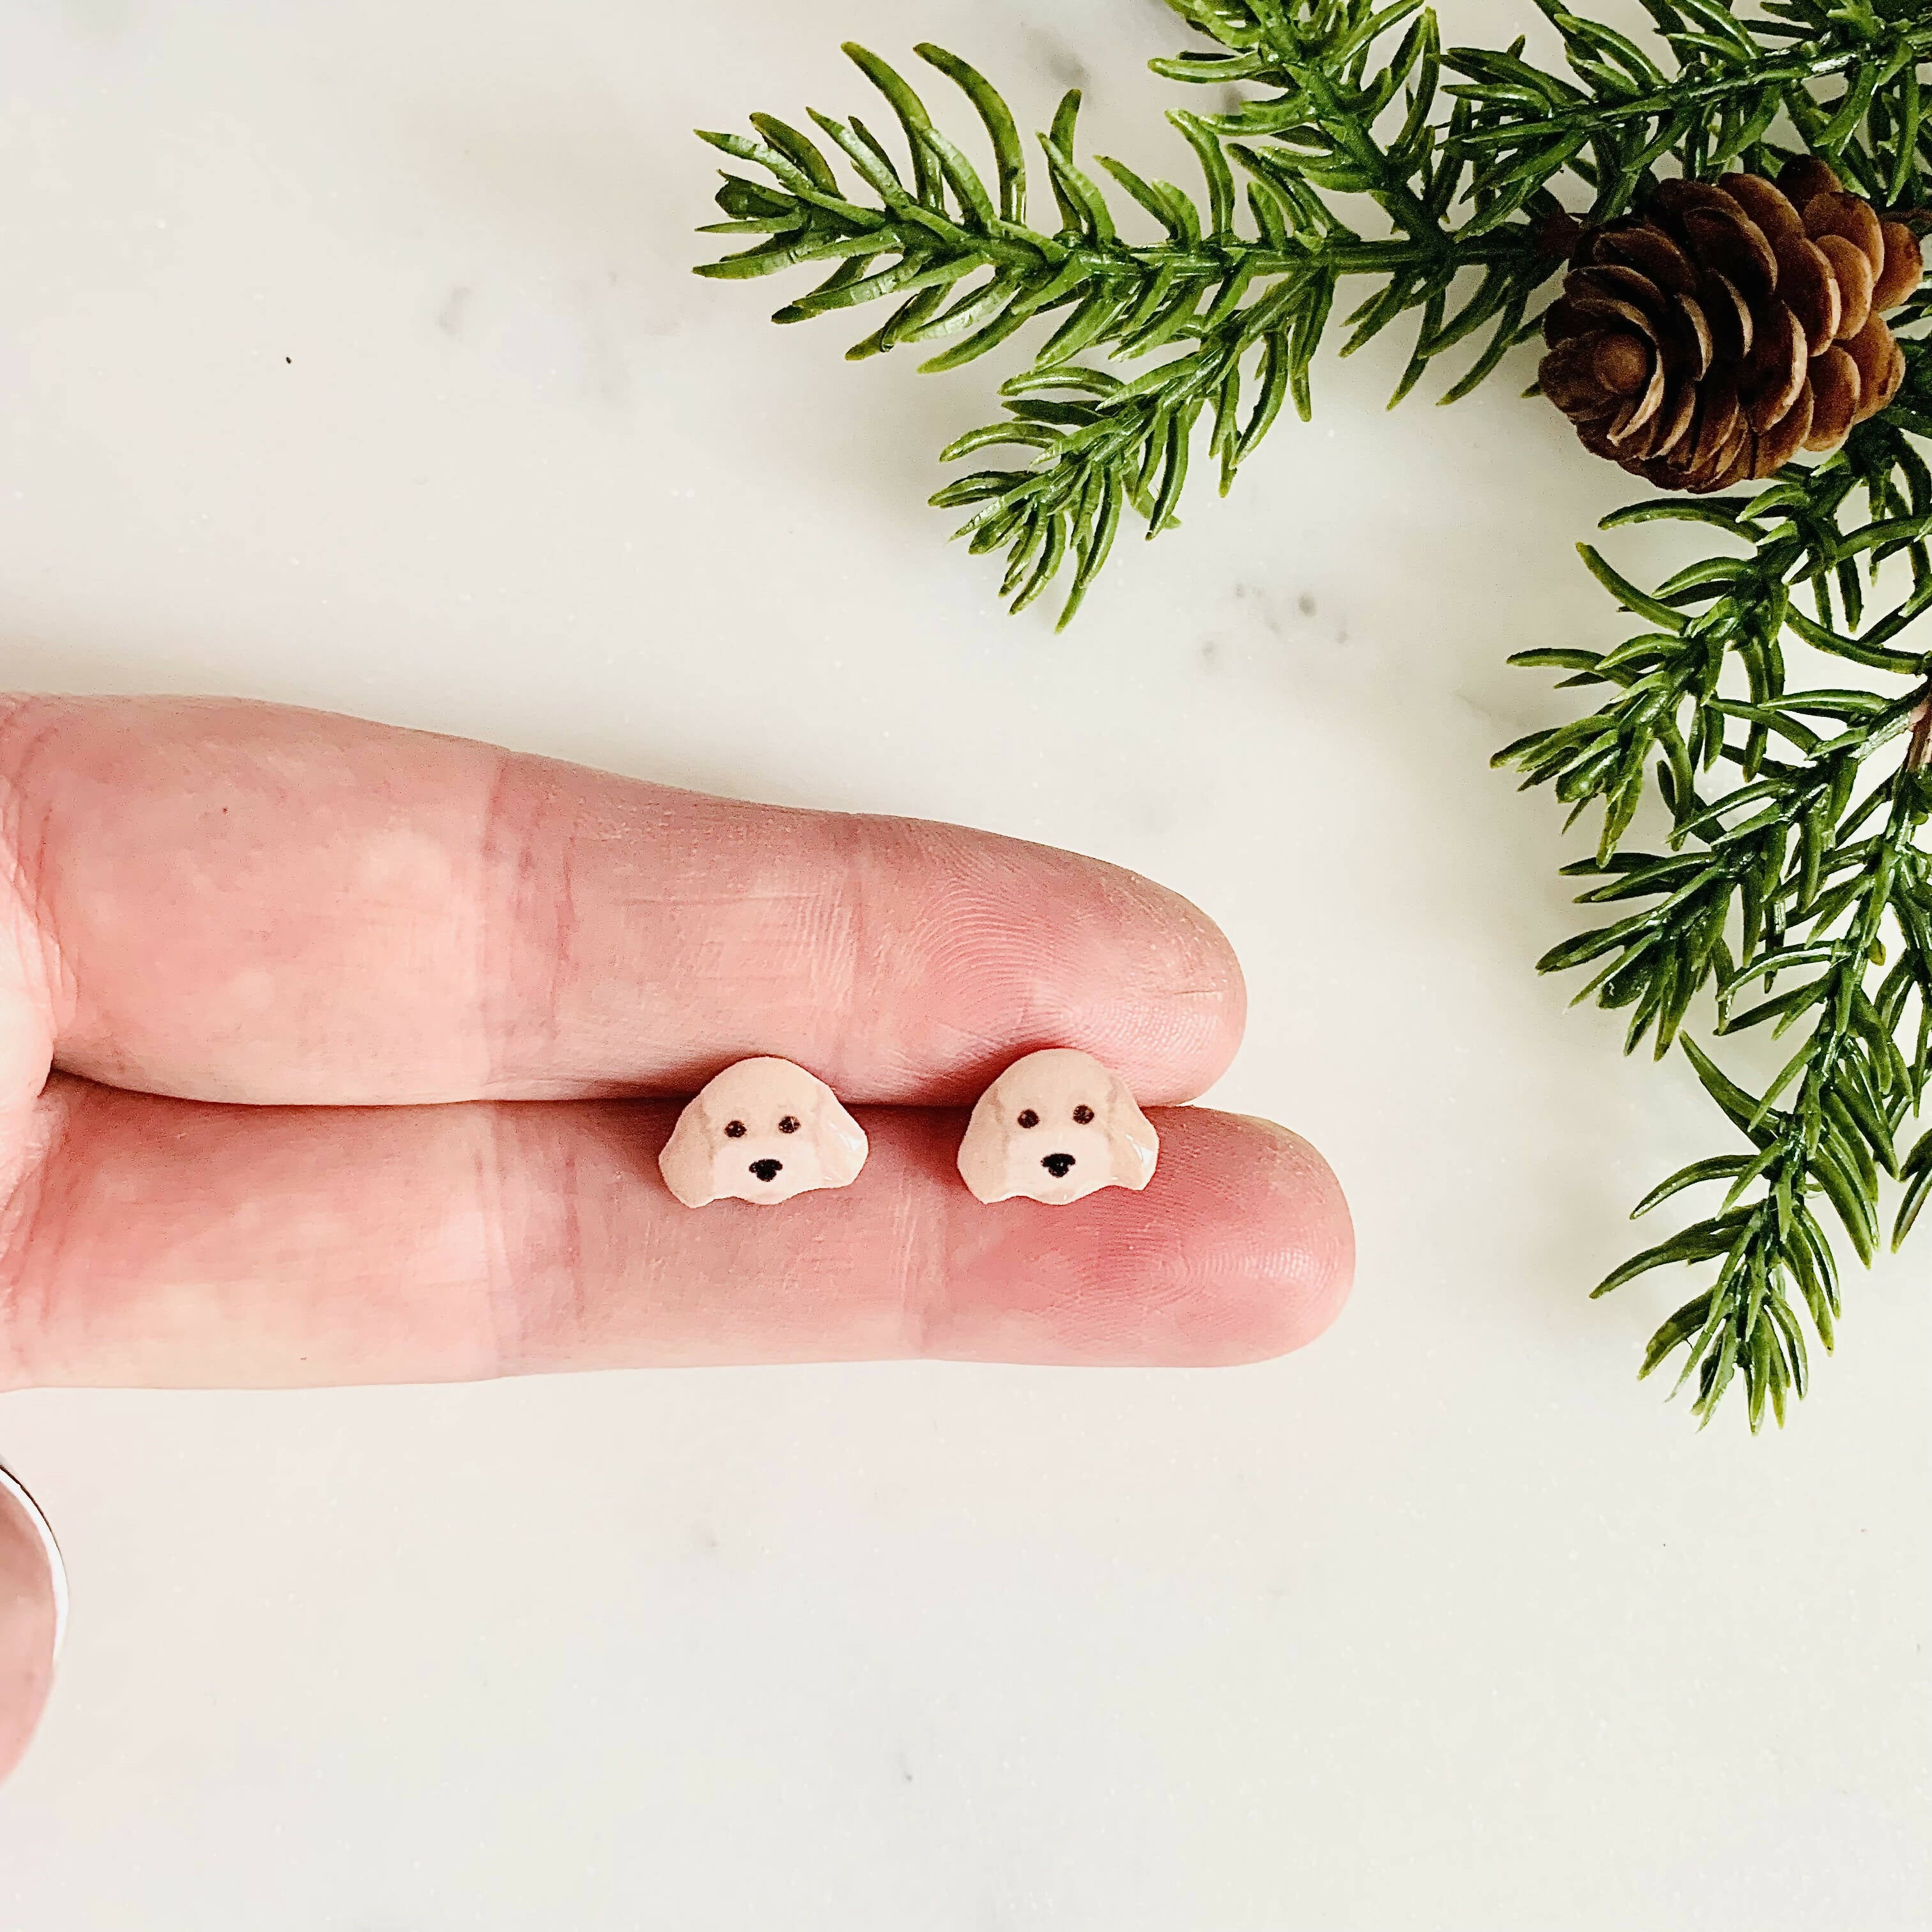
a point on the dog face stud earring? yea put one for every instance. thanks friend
(762, 1130)
(1056, 1126)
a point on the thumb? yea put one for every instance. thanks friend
(33, 1605)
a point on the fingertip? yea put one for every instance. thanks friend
(1175, 995)
(30, 1602)
(1193, 984)
(998, 946)
(1300, 1256)
(1239, 1249)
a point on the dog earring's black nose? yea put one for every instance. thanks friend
(766, 1170)
(1057, 1165)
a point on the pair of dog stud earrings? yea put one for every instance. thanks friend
(1057, 1125)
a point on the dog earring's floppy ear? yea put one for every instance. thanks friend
(842, 1146)
(982, 1153)
(1131, 1139)
(686, 1160)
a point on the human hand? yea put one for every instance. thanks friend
(328, 1054)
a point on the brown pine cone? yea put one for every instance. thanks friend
(1728, 325)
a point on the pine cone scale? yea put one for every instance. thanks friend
(1683, 414)
(1872, 353)
(1852, 219)
(1904, 265)
(1805, 177)
(1617, 282)
(1851, 268)
(1732, 332)
(1836, 388)
(1774, 373)
(1810, 290)
(1767, 206)
(1730, 325)
(1777, 444)
(1735, 246)
(1653, 254)
(1720, 425)
(1625, 366)
(1633, 415)
(1697, 332)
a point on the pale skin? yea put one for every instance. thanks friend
(330, 1053)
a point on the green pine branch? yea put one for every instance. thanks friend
(1796, 895)
(1734, 78)
(1353, 127)
(1234, 298)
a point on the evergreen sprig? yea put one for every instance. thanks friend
(1240, 307)
(1452, 182)
(1354, 127)
(1796, 892)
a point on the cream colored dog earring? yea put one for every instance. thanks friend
(1055, 1126)
(762, 1130)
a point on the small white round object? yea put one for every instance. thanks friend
(1056, 1126)
(763, 1131)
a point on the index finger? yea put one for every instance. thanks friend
(233, 901)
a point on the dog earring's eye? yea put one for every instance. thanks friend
(1083, 1114)
(736, 1129)
(1029, 1118)
(789, 1125)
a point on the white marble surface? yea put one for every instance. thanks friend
(351, 358)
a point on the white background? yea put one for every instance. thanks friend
(351, 358)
